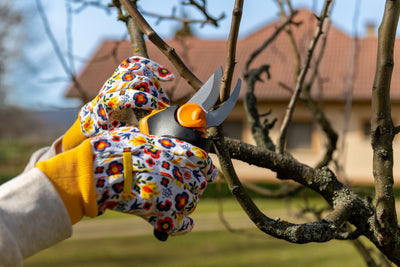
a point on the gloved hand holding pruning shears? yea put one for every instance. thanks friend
(157, 171)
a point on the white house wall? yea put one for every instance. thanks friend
(356, 158)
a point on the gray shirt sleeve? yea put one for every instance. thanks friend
(32, 215)
(42, 154)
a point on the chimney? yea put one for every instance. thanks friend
(371, 32)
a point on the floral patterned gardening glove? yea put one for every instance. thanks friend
(168, 177)
(134, 84)
(157, 178)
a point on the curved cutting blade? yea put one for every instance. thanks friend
(208, 94)
(216, 117)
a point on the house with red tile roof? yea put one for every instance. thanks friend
(347, 65)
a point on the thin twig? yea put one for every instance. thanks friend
(348, 88)
(168, 51)
(58, 52)
(282, 192)
(266, 43)
(295, 49)
(365, 253)
(301, 78)
(68, 34)
(203, 9)
(223, 219)
(318, 114)
(260, 131)
(231, 51)
(85, 4)
(208, 20)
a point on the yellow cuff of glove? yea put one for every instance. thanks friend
(73, 137)
(72, 175)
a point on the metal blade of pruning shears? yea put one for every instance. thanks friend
(189, 122)
(208, 95)
(216, 117)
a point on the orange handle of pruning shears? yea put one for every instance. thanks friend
(143, 125)
(191, 115)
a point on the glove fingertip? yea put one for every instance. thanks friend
(162, 236)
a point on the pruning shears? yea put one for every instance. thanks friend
(189, 122)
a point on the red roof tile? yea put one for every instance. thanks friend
(204, 56)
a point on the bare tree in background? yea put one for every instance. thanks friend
(350, 216)
(10, 40)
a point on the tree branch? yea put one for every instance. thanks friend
(282, 192)
(231, 51)
(137, 38)
(348, 86)
(59, 54)
(289, 33)
(208, 19)
(325, 125)
(203, 9)
(138, 44)
(360, 213)
(259, 131)
(301, 78)
(168, 51)
(253, 55)
(321, 231)
(316, 111)
(382, 129)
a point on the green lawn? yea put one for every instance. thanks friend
(200, 248)
(214, 248)
(14, 155)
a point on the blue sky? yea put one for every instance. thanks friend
(93, 25)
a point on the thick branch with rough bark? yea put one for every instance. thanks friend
(382, 129)
(347, 205)
(320, 231)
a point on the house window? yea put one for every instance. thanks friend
(233, 129)
(366, 130)
(299, 135)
